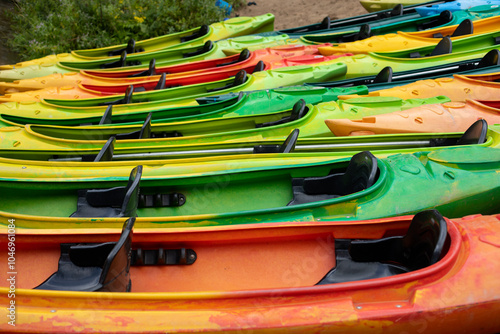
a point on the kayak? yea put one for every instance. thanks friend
(274, 57)
(273, 279)
(411, 40)
(183, 195)
(33, 140)
(141, 61)
(446, 117)
(244, 103)
(458, 88)
(452, 6)
(237, 26)
(372, 63)
(284, 76)
(376, 5)
(113, 87)
(386, 78)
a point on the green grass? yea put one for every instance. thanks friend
(43, 27)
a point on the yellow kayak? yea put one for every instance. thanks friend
(234, 27)
(412, 40)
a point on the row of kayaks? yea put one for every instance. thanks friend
(327, 178)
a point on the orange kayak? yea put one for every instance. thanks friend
(484, 87)
(272, 57)
(289, 277)
(431, 118)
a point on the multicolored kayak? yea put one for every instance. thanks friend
(35, 140)
(114, 87)
(452, 6)
(237, 26)
(182, 195)
(484, 87)
(284, 55)
(404, 41)
(187, 95)
(446, 117)
(244, 103)
(141, 61)
(261, 277)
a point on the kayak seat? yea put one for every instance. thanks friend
(204, 29)
(299, 110)
(244, 55)
(209, 45)
(149, 72)
(464, 28)
(423, 245)
(396, 11)
(130, 48)
(107, 116)
(474, 135)
(444, 46)
(122, 62)
(112, 202)
(360, 174)
(94, 267)
(259, 67)
(144, 132)
(160, 85)
(106, 152)
(363, 33)
(239, 79)
(287, 146)
(125, 100)
(443, 18)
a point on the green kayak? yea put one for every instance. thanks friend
(172, 56)
(45, 140)
(257, 102)
(457, 181)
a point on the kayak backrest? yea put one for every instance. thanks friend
(161, 82)
(107, 116)
(299, 110)
(125, 100)
(111, 202)
(209, 45)
(143, 133)
(204, 29)
(94, 267)
(106, 152)
(465, 27)
(287, 146)
(360, 174)
(423, 245)
(239, 79)
(492, 58)
(475, 134)
(244, 55)
(443, 18)
(149, 72)
(363, 33)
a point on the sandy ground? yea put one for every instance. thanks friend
(296, 13)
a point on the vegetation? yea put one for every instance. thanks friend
(43, 27)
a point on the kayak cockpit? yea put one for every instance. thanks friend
(116, 266)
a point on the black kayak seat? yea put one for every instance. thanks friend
(130, 48)
(111, 202)
(124, 100)
(360, 174)
(106, 152)
(160, 85)
(492, 58)
(209, 45)
(204, 29)
(385, 75)
(244, 55)
(287, 146)
(94, 267)
(107, 116)
(149, 72)
(474, 135)
(443, 18)
(239, 79)
(259, 67)
(445, 46)
(396, 11)
(143, 133)
(299, 110)
(464, 28)
(423, 245)
(363, 33)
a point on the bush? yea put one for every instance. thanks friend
(43, 27)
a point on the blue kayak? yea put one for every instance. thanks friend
(453, 6)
